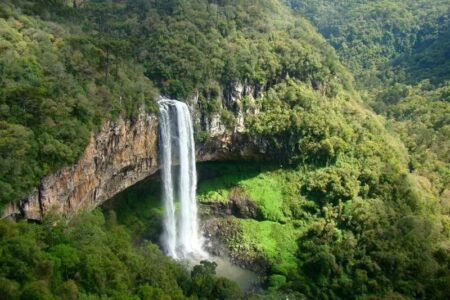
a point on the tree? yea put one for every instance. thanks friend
(202, 277)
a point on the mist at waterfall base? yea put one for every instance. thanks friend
(181, 238)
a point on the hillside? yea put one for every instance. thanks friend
(373, 37)
(57, 85)
(399, 53)
(65, 71)
(343, 204)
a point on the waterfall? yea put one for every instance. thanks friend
(181, 237)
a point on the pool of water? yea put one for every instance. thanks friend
(247, 280)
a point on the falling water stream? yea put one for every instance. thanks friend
(181, 238)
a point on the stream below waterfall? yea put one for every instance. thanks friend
(247, 280)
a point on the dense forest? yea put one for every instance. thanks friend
(353, 101)
(385, 41)
(399, 54)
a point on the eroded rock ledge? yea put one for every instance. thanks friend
(125, 152)
(120, 155)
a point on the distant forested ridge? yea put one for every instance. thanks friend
(399, 52)
(385, 40)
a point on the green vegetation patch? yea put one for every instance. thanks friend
(266, 191)
(217, 179)
(277, 243)
(270, 188)
(95, 257)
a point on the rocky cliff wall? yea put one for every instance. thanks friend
(125, 152)
(121, 154)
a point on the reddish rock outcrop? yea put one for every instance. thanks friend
(121, 154)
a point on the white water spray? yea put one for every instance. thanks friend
(181, 237)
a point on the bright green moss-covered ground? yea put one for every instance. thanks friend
(277, 242)
(266, 186)
(272, 190)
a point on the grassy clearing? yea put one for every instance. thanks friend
(266, 190)
(217, 179)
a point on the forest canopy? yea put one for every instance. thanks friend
(64, 71)
(353, 104)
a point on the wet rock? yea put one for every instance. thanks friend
(239, 204)
(224, 238)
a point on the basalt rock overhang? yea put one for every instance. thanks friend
(123, 153)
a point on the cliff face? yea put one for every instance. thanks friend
(126, 152)
(121, 154)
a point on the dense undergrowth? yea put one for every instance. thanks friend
(399, 54)
(420, 114)
(94, 256)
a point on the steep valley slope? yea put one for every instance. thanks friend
(302, 182)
